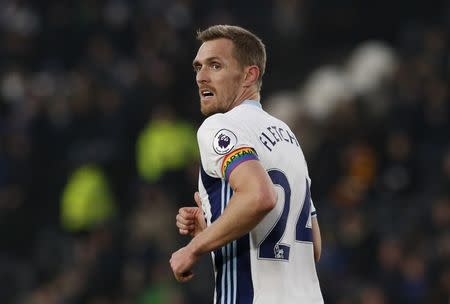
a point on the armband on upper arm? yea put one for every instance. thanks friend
(236, 157)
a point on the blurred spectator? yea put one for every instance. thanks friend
(165, 144)
(87, 200)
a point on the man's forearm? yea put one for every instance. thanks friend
(242, 214)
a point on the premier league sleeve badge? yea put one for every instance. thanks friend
(224, 141)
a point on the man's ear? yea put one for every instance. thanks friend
(251, 75)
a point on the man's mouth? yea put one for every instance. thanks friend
(206, 93)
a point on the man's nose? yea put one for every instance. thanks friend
(202, 75)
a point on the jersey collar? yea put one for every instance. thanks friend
(255, 103)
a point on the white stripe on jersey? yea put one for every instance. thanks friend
(224, 266)
(228, 257)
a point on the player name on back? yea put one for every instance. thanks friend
(275, 135)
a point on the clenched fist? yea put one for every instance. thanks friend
(190, 220)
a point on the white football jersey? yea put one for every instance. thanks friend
(274, 263)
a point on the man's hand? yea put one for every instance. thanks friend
(181, 263)
(190, 220)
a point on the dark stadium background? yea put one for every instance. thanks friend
(98, 112)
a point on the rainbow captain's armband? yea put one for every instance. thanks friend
(236, 157)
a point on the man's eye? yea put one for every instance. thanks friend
(215, 66)
(197, 68)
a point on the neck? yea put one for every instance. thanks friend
(250, 93)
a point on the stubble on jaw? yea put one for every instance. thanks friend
(216, 106)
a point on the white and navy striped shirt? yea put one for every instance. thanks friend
(274, 263)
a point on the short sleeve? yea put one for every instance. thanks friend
(223, 145)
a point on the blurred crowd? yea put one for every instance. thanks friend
(98, 113)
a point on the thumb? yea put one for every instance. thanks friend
(198, 200)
